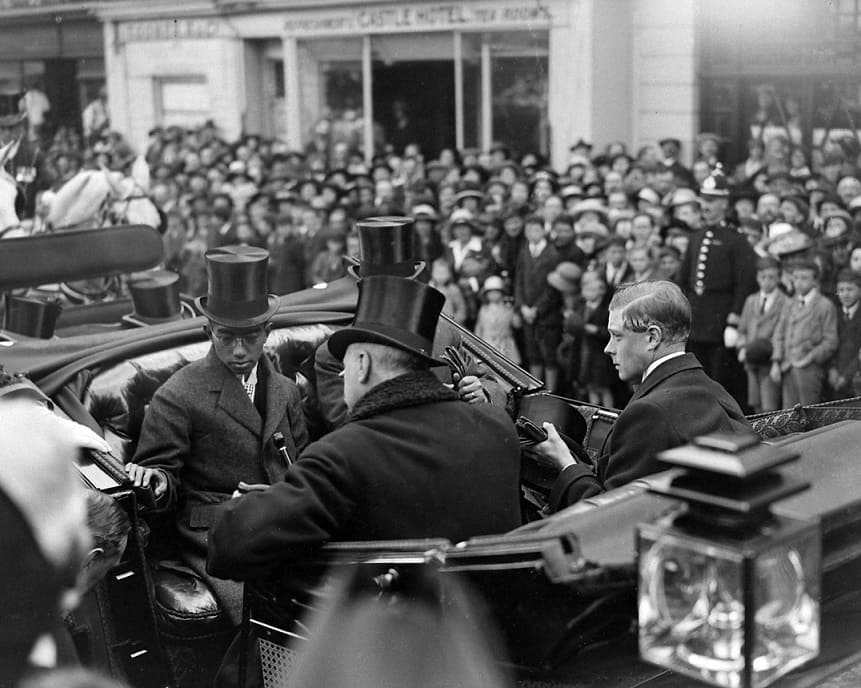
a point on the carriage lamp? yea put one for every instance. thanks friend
(728, 591)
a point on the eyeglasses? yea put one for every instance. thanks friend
(229, 338)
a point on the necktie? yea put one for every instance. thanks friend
(249, 389)
(762, 305)
(847, 314)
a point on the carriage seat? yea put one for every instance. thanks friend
(117, 398)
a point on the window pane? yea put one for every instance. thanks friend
(330, 74)
(519, 86)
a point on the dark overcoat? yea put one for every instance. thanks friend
(675, 404)
(204, 432)
(412, 461)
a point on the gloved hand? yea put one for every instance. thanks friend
(730, 337)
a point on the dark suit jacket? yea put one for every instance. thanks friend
(675, 404)
(729, 276)
(415, 463)
(849, 342)
(203, 431)
(530, 274)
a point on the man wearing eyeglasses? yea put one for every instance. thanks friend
(224, 423)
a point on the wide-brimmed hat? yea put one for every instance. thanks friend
(461, 216)
(589, 205)
(155, 296)
(425, 211)
(683, 196)
(791, 243)
(237, 296)
(386, 247)
(493, 283)
(394, 311)
(566, 277)
(462, 195)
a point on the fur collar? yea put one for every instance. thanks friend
(404, 391)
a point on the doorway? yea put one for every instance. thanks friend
(423, 92)
(61, 87)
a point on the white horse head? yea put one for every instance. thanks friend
(8, 188)
(80, 201)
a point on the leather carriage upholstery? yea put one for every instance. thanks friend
(117, 397)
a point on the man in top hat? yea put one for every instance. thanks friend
(718, 273)
(387, 248)
(211, 428)
(410, 462)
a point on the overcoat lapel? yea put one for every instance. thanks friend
(276, 401)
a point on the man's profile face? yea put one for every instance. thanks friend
(628, 350)
(238, 348)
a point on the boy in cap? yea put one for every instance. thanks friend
(844, 366)
(757, 323)
(805, 338)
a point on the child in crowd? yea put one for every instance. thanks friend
(442, 280)
(642, 264)
(759, 318)
(804, 339)
(497, 319)
(855, 259)
(845, 364)
(328, 264)
(595, 366)
(535, 300)
(669, 264)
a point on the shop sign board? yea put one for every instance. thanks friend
(425, 17)
(170, 29)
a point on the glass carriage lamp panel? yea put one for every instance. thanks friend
(732, 616)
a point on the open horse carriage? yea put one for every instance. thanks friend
(562, 589)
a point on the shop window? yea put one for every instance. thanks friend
(519, 86)
(182, 101)
(330, 83)
(847, 18)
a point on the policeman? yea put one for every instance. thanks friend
(718, 272)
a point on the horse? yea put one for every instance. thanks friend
(9, 222)
(91, 199)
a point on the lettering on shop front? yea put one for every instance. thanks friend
(168, 30)
(422, 17)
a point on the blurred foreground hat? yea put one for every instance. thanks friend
(386, 248)
(394, 311)
(237, 296)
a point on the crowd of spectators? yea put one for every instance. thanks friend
(527, 254)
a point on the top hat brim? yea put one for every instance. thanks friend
(339, 342)
(244, 322)
(409, 269)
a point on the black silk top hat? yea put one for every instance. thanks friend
(386, 247)
(31, 316)
(395, 311)
(237, 287)
(155, 296)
